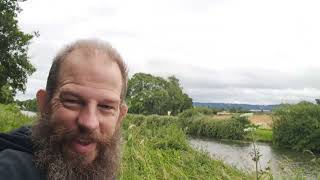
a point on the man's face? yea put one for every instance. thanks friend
(86, 105)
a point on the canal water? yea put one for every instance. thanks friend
(281, 162)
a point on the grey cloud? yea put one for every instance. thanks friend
(263, 86)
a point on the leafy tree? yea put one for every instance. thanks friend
(149, 94)
(14, 60)
(28, 105)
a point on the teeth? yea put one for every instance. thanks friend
(83, 141)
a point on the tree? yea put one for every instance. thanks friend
(14, 61)
(149, 94)
(28, 105)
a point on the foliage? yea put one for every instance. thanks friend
(160, 150)
(261, 135)
(201, 125)
(149, 94)
(256, 155)
(154, 148)
(11, 118)
(238, 110)
(206, 110)
(297, 127)
(190, 113)
(28, 105)
(14, 60)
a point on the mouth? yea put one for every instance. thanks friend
(83, 146)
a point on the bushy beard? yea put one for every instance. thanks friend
(49, 155)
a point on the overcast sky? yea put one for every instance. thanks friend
(248, 51)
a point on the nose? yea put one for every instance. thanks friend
(88, 118)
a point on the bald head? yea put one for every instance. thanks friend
(86, 49)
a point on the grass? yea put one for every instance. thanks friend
(164, 153)
(264, 135)
(154, 147)
(261, 135)
(11, 118)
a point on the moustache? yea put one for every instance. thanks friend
(65, 135)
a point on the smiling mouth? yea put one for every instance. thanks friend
(83, 146)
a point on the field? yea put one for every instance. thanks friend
(264, 120)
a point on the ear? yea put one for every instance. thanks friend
(122, 115)
(42, 97)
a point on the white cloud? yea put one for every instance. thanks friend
(240, 51)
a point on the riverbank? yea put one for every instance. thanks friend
(154, 147)
(279, 163)
(229, 127)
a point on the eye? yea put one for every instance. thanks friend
(105, 106)
(72, 103)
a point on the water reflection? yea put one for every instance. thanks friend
(237, 154)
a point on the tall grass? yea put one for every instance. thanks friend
(157, 148)
(11, 118)
(154, 147)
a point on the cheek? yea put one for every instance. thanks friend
(64, 117)
(108, 126)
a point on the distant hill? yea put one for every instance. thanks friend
(227, 106)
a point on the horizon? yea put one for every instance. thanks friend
(221, 51)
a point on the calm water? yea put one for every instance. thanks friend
(237, 154)
(29, 113)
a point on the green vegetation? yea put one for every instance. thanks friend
(155, 147)
(149, 94)
(11, 118)
(15, 66)
(263, 135)
(197, 124)
(297, 127)
(28, 105)
(206, 110)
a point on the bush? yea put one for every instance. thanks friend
(297, 127)
(202, 125)
(149, 121)
(206, 110)
(13, 108)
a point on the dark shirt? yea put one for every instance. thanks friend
(16, 156)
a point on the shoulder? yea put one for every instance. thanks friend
(17, 165)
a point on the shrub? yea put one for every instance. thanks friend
(202, 125)
(206, 110)
(297, 127)
(189, 113)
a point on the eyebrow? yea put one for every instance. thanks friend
(68, 93)
(104, 100)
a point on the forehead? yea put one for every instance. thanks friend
(94, 70)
